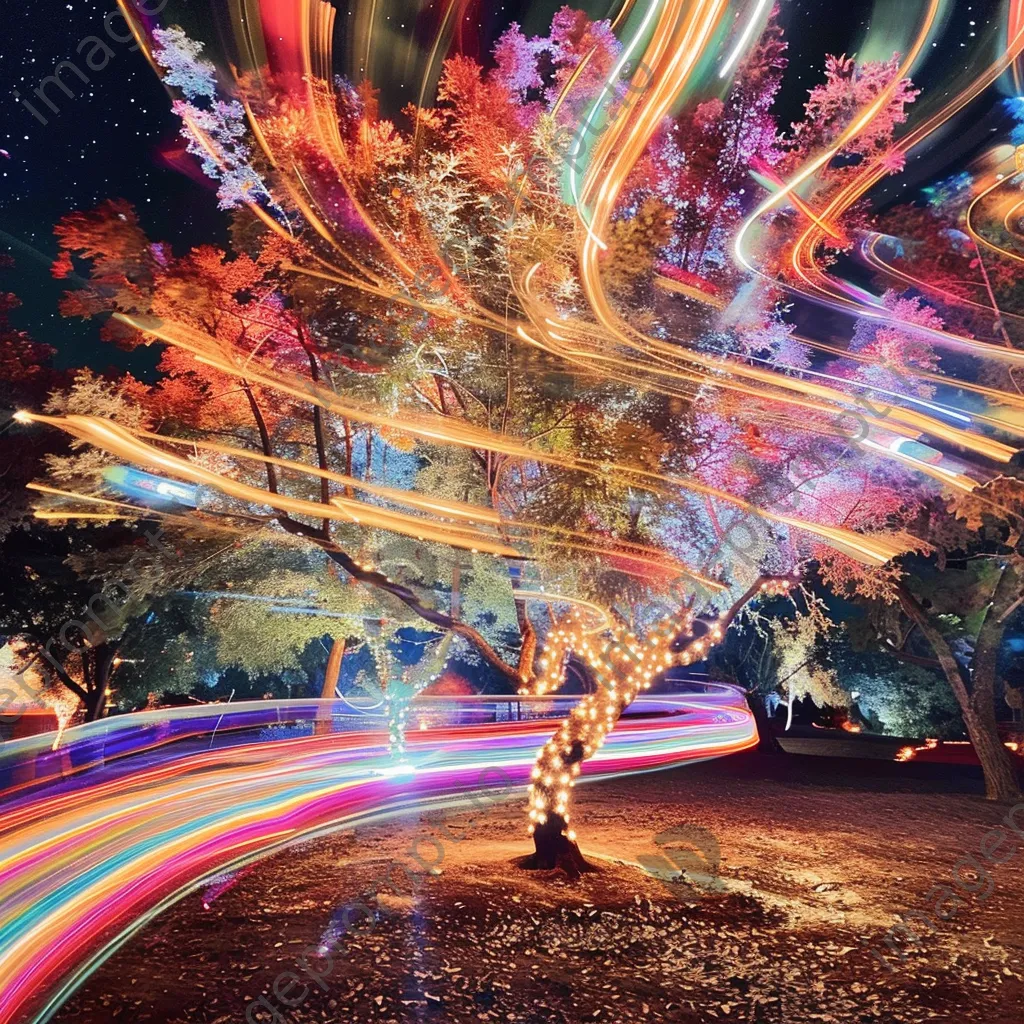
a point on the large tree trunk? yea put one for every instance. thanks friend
(978, 708)
(554, 849)
(1005, 784)
(1001, 781)
(583, 731)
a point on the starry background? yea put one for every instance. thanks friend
(113, 138)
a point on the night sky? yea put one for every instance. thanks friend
(110, 140)
(105, 143)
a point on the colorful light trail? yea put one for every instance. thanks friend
(84, 864)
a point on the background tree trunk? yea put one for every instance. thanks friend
(978, 708)
(767, 743)
(96, 669)
(984, 671)
(330, 686)
(333, 672)
(95, 706)
(456, 581)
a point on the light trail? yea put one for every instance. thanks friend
(121, 442)
(996, 395)
(647, 558)
(721, 372)
(871, 549)
(823, 288)
(599, 105)
(1015, 22)
(780, 380)
(998, 181)
(868, 250)
(744, 39)
(425, 503)
(618, 150)
(85, 865)
(849, 133)
(680, 34)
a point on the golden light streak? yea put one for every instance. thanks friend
(803, 262)
(48, 514)
(439, 429)
(118, 441)
(449, 509)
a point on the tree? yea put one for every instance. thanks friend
(701, 164)
(419, 355)
(959, 604)
(901, 698)
(43, 599)
(801, 665)
(849, 88)
(26, 377)
(45, 611)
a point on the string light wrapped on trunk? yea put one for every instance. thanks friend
(624, 668)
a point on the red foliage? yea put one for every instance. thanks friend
(483, 114)
(688, 278)
(62, 265)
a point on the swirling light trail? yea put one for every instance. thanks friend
(741, 43)
(824, 288)
(105, 434)
(485, 318)
(83, 867)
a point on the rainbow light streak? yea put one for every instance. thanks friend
(84, 864)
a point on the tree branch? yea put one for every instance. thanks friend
(408, 597)
(318, 420)
(261, 426)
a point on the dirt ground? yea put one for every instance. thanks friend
(784, 926)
